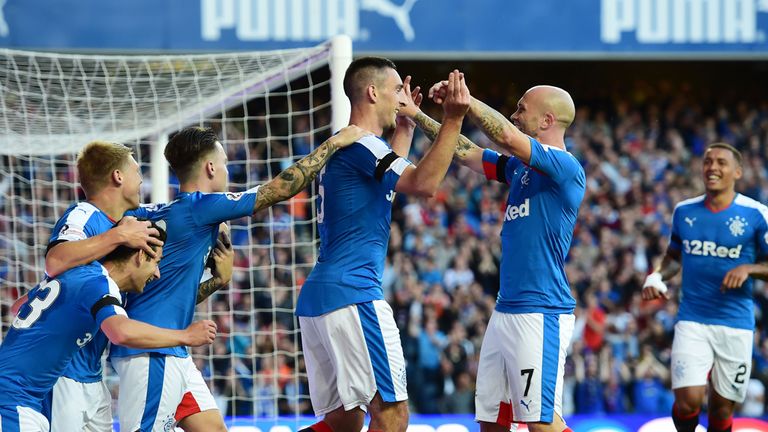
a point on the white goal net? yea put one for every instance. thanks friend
(268, 108)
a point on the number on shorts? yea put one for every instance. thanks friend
(528, 372)
(40, 301)
(740, 376)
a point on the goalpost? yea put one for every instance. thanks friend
(269, 109)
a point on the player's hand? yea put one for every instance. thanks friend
(200, 333)
(138, 234)
(735, 278)
(457, 99)
(654, 287)
(438, 92)
(348, 136)
(223, 256)
(410, 107)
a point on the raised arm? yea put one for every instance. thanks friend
(424, 179)
(64, 255)
(299, 175)
(493, 124)
(402, 136)
(121, 330)
(467, 153)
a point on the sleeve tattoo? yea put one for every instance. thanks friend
(295, 178)
(431, 127)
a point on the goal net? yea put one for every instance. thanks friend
(268, 108)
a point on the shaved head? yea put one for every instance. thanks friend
(555, 100)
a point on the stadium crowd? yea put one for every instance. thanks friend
(642, 154)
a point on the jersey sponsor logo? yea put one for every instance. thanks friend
(84, 340)
(391, 196)
(67, 230)
(690, 221)
(709, 248)
(736, 225)
(316, 20)
(518, 211)
(683, 21)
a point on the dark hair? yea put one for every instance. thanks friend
(187, 147)
(122, 252)
(363, 72)
(722, 145)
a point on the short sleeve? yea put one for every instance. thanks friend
(762, 233)
(556, 163)
(103, 299)
(373, 158)
(214, 208)
(499, 167)
(145, 211)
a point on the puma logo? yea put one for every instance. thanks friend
(690, 221)
(399, 13)
(526, 404)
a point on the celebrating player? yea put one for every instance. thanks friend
(534, 308)
(111, 179)
(62, 314)
(716, 238)
(350, 341)
(159, 388)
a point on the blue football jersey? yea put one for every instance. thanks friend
(192, 224)
(356, 190)
(543, 202)
(711, 244)
(83, 220)
(60, 316)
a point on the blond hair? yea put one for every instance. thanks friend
(97, 161)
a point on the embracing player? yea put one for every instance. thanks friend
(162, 388)
(61, 315)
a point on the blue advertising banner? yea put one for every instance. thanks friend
(432, 28)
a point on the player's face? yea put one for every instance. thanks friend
(221, 179)
(526, 118)
(721, 170)
(132, 182)
(390, 98)
(148, 269)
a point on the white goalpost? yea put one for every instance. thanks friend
(268, 108)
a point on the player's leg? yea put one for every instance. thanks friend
(151, 388)
(99, 413)
(22, 419)
(541, 369)
(388, 409)
(492, 399)
(320, 362)
(532, 348)
(386, 416)
(68, 405)
(730, 375)
(197, 411)
(692, 359)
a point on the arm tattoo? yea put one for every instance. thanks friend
(491, 121)
(205, 289)
(430, 127)
(294, 178)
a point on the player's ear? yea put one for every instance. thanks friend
(117, 177)
(210, 168)
(370, 92)
(737, 173)
(549, 120)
